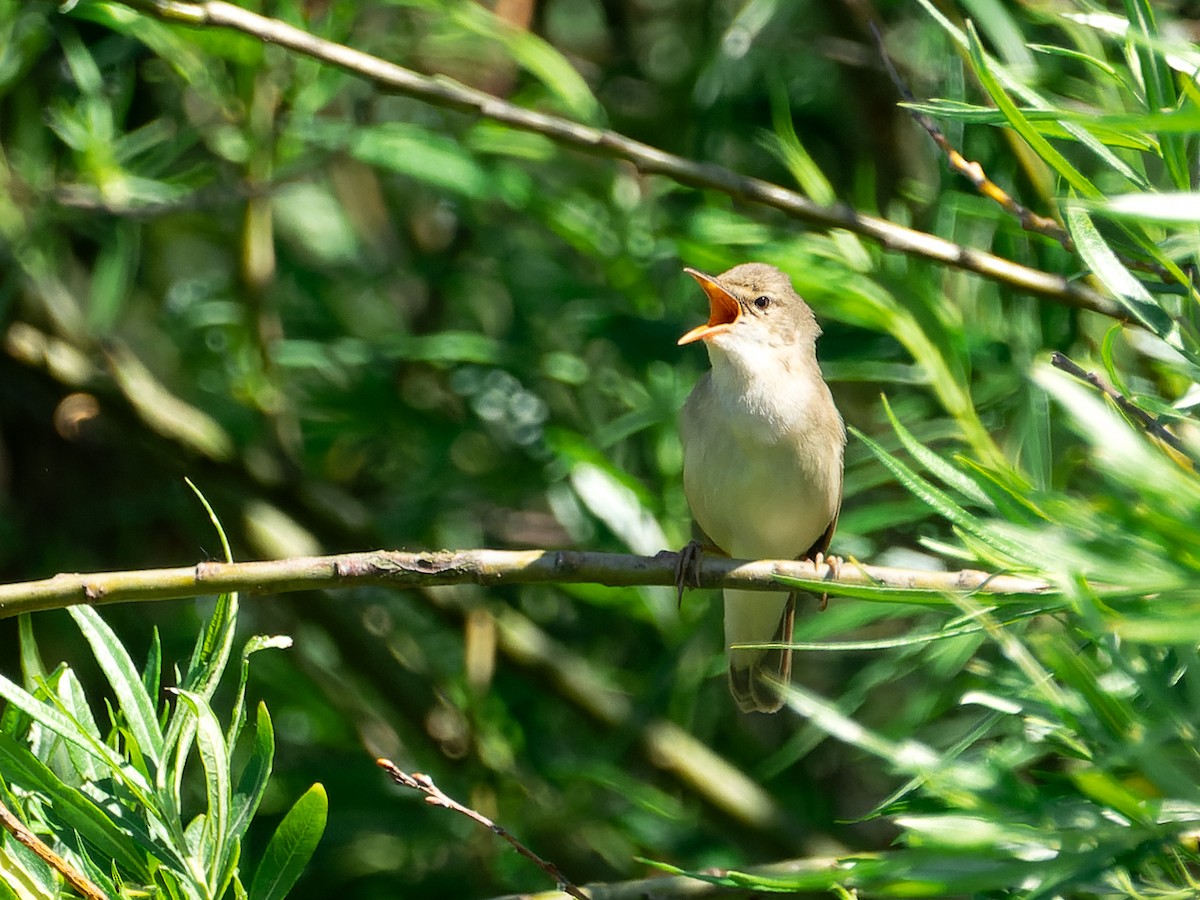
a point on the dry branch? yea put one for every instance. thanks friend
(969, 169)
(1151, 424)
(81, 884)
(445, 92)
(396, 569)
(419, 781)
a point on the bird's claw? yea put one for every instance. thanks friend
(832, 573)
(687, 569)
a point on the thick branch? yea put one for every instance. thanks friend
(445, 92)
(387, 568)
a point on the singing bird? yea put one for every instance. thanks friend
(763, 444)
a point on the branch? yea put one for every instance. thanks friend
(1151, 424)
(82, 885)
(397, 569)
(676, 887)
(974, 173)
(970, 169)
(435, 795)
(445, 92)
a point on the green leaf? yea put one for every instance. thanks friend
(1029, 96)
(947, 507)
(1130, 292)
(535, 55)
(934, 463)
(214, 757)
(113, 275)
(1181, 207)
(291, 846)
(213, 646)
(445, 347)
(1159, 84)
(1101, 787)
(58, 723)
(253, 781)
(73, 808)
(32, 667)
(238, 715)
(930, 597)
(135, 704)
(74, 703)
(1115, 131)
(152, 670)
(421, 154)
(25, 877)
(1020, 124)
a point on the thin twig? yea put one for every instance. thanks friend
(970, 169)
(1152, 424)
(80, 882)
(445, 92)
(396, 569)
(418, 781)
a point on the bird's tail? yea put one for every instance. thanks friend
(758, 617)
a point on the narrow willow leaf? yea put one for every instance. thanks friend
(1079, 56)
(1031, 97)
(25, 877)
(1130, 292)
(1182, 207)
(135, 704)
(255, 644)
(1020, 124)
(943, 504)
(57, 722)
(1105, 790)
(534, 54)
(214, 757)
(213, 646)
(74, 703)
(422, 155)
(934, 463)
(72, 807)
(291, 846)
(1159, 84)
(930, 597)
(32, 667)
(257, 772)
(152, 670)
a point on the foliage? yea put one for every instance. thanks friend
(365, 321)
(112, 802)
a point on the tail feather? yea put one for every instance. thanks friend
(754, 672)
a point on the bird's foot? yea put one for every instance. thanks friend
(687, 568)
(832, 573)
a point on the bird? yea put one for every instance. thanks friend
(763, 449)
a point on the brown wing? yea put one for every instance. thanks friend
(821, 544)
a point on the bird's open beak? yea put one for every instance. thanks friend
(723, 309)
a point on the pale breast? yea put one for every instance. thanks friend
(762, 481)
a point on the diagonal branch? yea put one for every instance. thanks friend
(79, 882)
(969, 169)
(1151, 424)
(396, 569)
(418, 781)
(442, 91)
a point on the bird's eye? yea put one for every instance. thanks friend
(762, 302)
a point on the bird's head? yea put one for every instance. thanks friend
(752, 306)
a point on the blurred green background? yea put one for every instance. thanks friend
(357, 320)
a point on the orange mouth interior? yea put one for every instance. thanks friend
(723, 309)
